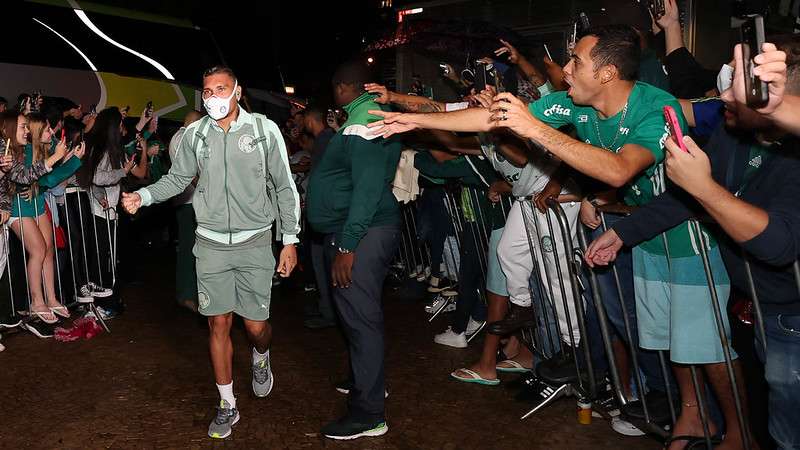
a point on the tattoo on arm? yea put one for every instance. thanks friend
(421, 107)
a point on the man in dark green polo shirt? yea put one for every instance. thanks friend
(350, 201)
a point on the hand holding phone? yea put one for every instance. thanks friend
(674, 127)
(752, 38)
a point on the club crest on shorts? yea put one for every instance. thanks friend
(246, 143)
(547, 244)
(203, 300)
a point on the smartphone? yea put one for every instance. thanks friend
(445, 70)
(6, 144)
(546, 50)
(752, 38)
(93, 109)
(63, 133)
(484, 76)
(148, 112)
(584, 21)
(674, 127)
(657, 8)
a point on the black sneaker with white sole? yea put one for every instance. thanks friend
(39, 328)
(10, 322)
(348, 428)
(536, 392)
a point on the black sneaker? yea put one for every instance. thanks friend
(517, 317)
(347, 428)
(657, 408)
(10, 322)
(539, 393)
(39, 328)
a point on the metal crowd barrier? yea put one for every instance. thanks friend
(647, 423)
(73, 199)
(554, 339)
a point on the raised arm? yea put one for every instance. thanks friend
(614, 169)
(471, 119)
(409, 103)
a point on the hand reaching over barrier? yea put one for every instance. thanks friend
(604, 249)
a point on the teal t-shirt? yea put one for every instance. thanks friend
(643, 124)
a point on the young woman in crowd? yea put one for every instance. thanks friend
(105, 168)
(32, 143)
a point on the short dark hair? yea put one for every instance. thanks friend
(220, 69)
(790, 44)
(352, 73)
(619, 46)
(317, 111)
(3, 101)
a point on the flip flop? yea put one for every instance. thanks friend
(693, 441)
(42, 314)
(474, 378)
(64, 312)
(515, 367)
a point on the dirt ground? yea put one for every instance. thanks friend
(149, 384)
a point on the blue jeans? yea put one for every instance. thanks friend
(648, 360)
(782, 366)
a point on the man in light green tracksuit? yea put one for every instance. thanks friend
(244, 185)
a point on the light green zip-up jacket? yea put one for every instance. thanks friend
(231, 200)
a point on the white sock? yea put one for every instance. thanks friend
(226, 393)
(258, 357)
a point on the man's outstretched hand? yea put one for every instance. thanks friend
(131, 202)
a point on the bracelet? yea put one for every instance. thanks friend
(344, 251)
(689, 405)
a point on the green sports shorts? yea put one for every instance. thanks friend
(235, 278)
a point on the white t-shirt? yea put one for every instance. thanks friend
(526, 180)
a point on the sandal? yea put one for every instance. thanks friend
(515, 367)
(45, 316)
(61, 311)
(473, 378)
(693, 441)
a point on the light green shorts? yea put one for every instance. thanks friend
(235, 278)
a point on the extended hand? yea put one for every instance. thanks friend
(604, 249)
(384, 95)
(392, 123)
(510, 112)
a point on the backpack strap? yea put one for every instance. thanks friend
(262, 141)
(200, 135)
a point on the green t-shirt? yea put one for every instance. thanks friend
(644, 125)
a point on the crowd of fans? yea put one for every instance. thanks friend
(587, 140)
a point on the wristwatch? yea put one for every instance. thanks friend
(344, 251)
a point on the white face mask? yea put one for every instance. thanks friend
(724, 78)
(219, 107)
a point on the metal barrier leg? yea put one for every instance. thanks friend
(602, 321)
(744, 425)
(7, 251)
(71, 253)
(634, 352)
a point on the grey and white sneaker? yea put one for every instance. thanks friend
(262, 377)
(224, 421)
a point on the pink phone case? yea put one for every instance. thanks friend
(674, 127)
